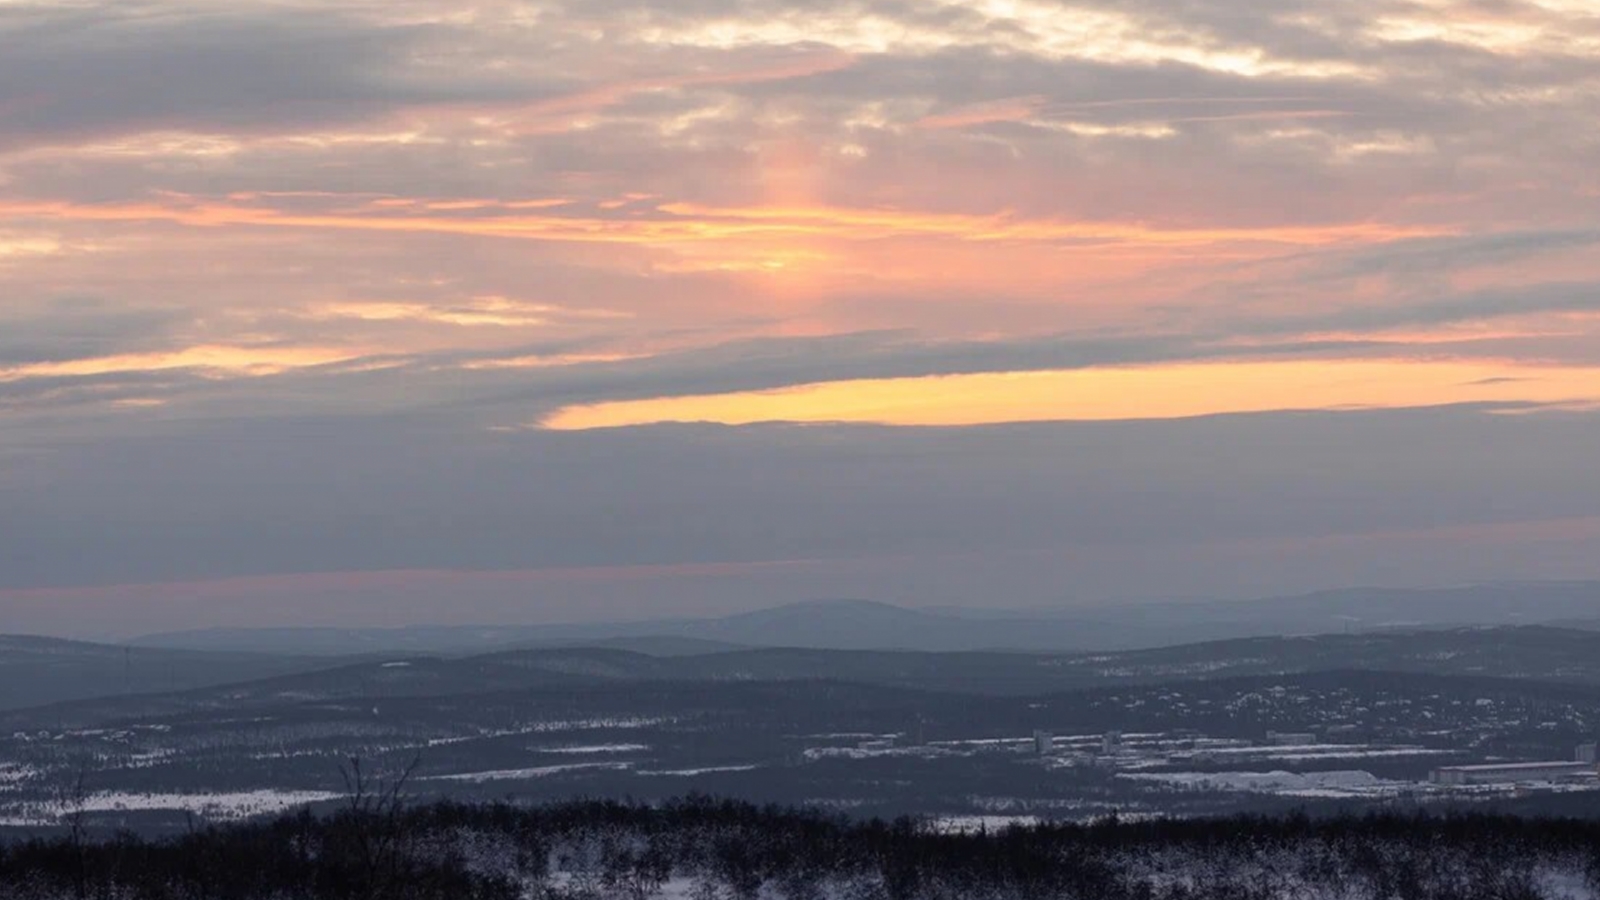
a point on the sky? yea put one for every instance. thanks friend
(404, 311)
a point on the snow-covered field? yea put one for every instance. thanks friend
(1293, 784)
(816, 753)
(690, 773)
(11, 773)
(212, 806)
(621, 724)
(592, 749)
(975, 824)
(518, 774)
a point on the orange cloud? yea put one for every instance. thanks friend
(220, 358)
(688, 223)
(1155, 392)
(881, 223)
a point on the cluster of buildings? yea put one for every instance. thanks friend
(1114, 749)
(1110, 750)
(1044, 744)
(1582, 767)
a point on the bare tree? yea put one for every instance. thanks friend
(636, 867)
(375, 804)
(70, 799)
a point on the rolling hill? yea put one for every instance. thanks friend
(868, 625)
(39, 670)
(1533, 653)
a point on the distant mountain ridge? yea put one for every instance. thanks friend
(427, 639)
(1533, 654)
(869, 625)
(1488, 603)
(38, 670)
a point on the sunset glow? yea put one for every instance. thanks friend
(508, 230)
(1099, 394)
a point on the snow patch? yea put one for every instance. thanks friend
(1293, 784)
(520, 774)
(689, 773)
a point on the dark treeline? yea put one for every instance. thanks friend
(706, 849)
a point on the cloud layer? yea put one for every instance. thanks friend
(438, 230)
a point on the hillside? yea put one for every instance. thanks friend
(1534, 653)
(39, 670)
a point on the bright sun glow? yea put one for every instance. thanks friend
(1101, 394)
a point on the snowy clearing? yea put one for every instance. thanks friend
(1293, 784)
(518, 774)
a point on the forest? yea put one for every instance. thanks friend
(378, 846)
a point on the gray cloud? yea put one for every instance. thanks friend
(1437, 255)
(452, 383)
(384, 461)
(73, 328)
(1475, 306)
(77, 72)
(358, 493)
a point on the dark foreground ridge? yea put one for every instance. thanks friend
(705, 848)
